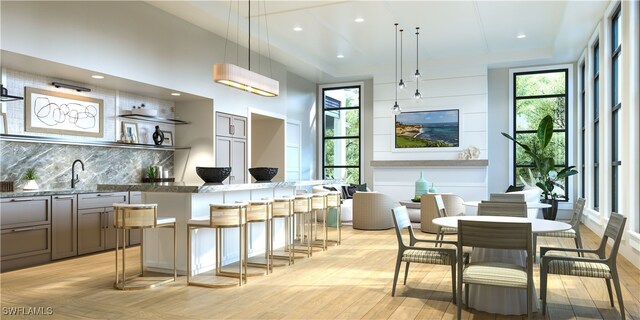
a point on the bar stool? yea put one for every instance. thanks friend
(283, 209)
(139, 216)
(301, 216)
(222, 216)
(260, 211)
(319, 203)
(333, 201)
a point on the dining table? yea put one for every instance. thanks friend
(532, 207)
(502, 300)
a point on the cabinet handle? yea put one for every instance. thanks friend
(104, 195)
(21, 199)
(233, 129)
(23, 229)
(65, 197)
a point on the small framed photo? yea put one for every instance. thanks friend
(168, 138)
(3, 123)
(130, 132)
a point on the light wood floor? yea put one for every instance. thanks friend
(352, 281)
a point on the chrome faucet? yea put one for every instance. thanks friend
(74, 175)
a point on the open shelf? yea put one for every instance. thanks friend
(98, 143)
(143, 117)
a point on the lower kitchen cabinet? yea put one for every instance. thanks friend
(64, 226)
(135, 234)
(95, 221)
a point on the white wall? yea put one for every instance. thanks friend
(136, 41)
(464, 89)
(498, 122)
(301, 106)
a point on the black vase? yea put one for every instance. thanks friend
(550, 213)
(158, 136)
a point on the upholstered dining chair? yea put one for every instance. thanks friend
(499, 208)
(602, 267)
(371, 211)
(507, 197)
(409, 252)
(494, 235)
(573, 233)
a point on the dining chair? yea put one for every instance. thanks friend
(441, 211)
(507, 197)
(573, 233)
(499, 208)
(411, 253)
(494, 235)
(602, 267)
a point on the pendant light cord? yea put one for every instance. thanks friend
(249, 18)
(396, 64)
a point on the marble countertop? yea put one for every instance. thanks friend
(181, 187)
(36, 193)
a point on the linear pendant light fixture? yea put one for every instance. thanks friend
(245, 79)
(396, 108)
(417, 95)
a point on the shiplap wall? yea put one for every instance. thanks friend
(465, 90)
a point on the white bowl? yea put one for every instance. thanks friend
(146, 112)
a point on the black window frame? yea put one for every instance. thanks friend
(616, 105)
(358, 137)
(583, 126)
(596, 125)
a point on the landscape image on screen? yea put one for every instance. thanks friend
(428, 129)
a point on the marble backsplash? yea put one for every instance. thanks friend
(103, 165)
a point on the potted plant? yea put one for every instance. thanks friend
(30, 177)
(545, 177)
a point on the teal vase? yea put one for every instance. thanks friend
(432, 189)
(422, 186)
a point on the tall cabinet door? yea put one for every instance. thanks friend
(90, 230)
(64, 226)
(223, 155)
(239, 160)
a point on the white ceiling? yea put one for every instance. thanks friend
(452, 33)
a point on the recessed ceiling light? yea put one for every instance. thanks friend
(340, 56)
(359, 20)
(175, 94)
(521, 36)
(297, 29)
(97, 76)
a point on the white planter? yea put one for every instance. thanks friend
(30, 185)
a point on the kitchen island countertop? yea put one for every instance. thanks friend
(181, 187)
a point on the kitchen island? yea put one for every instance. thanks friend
(184, 201)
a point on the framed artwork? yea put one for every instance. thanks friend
(422, 130)
(3, 123)
(168, 138)
(62, 113)
(130, 132)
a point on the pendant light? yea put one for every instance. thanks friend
(245, 79)
(417, 95)
(401, 84)
(396, 108)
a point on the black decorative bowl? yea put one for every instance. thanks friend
(263, 174)
(213, 174)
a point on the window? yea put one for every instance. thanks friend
(615, 106)
(536, 95)
(596, 126)
(583, 143)
(341, 133)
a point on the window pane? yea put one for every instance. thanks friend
(615, 31)
(529, 112)
(340, 152)
(614, 136)
(596, 188)
(614, 188)
(596, 98)
(340, 123)
(540, 84)
(596, 59)
(342, 98)
(348, 175)
(615, 81)
(596, 143)
(555, 148)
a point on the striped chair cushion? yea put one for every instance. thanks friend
(560, 234)
(449, 229)
(423, 256)
(495, 274)
(580, 268)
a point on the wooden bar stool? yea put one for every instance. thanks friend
(139, 216)
(303, 231)
(319, 204)
(260, 211)
(333, 201)
(283, 209)
(221, 217)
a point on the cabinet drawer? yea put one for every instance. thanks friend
(101, 200)
(25, 241)
(27, 211)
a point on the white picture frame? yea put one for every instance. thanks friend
(421, 121)
(3, 123)
(130, 132)
(168, 138)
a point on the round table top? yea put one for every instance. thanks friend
(530, 205)
(537, 225)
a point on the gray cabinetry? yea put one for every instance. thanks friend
(95, 220)
(231, 146)
(25, 231)
(134, 234)
(64, 226)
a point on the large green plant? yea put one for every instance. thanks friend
(546, 176)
